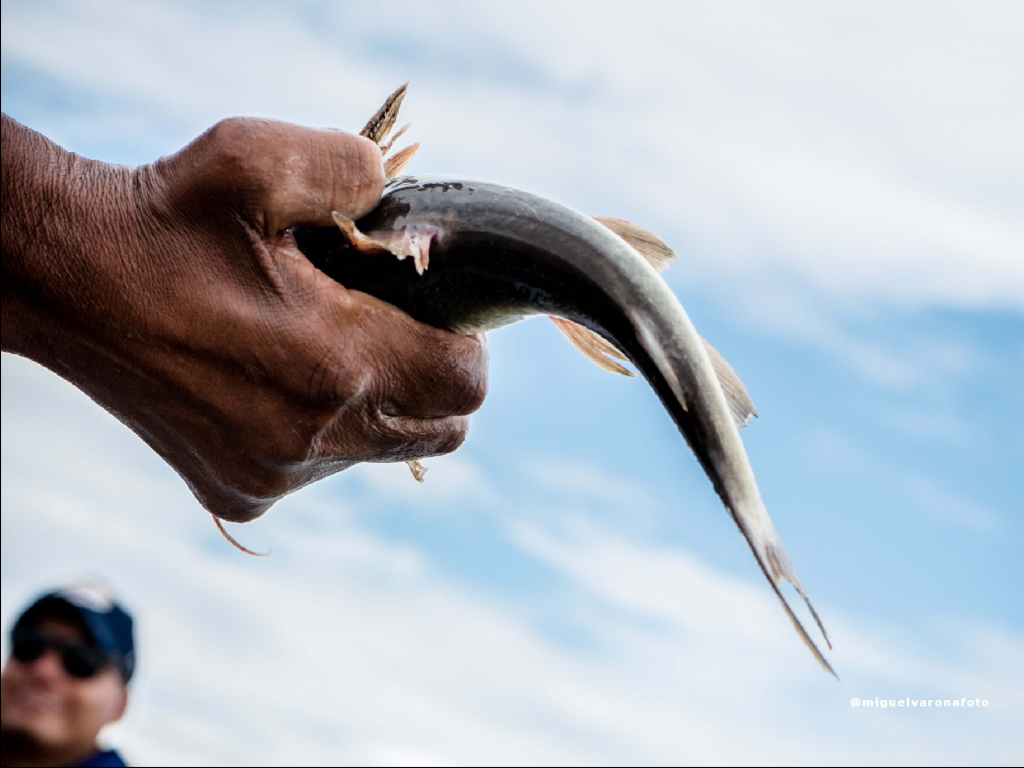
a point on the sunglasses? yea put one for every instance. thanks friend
(78, 659)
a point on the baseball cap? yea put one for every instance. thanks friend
(108, 624)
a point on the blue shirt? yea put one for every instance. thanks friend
(106, 759)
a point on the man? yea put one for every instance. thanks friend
(173, 294)
(72, 655)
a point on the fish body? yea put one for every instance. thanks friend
(485, 255)
(496, 256)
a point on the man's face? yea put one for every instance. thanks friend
(45, 705)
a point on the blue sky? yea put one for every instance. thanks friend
(843, 184)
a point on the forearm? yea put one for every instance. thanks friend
(28, 166)
(58, 208)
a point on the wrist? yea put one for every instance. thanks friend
(65, 218)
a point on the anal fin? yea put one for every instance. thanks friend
(740, 404)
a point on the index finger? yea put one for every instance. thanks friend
(281, 174)
(316, 171)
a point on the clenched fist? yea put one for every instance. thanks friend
(174, 295)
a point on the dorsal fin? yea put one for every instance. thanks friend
(383, 120)
(736, 395)
(646, 243)
(385, 148)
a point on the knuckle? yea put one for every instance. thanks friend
(371, 163)
(229, 138)
(282, 438)
(333, 384)
(476, 390)
(234, 147)
(445, 436)
(329, 396)
(452, 438)
(471, 375)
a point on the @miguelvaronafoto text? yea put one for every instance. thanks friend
(877, 703)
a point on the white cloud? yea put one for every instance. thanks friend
(577, 480)
(930, 498)
(345, 647)
(941, 505)
(870, 151)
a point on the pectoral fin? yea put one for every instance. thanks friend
(595, 348)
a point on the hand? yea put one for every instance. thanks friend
(174, 295)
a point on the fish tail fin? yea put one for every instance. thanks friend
(782, 566)
(812, 647)
(774, 561)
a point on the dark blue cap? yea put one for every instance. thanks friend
(108, 624)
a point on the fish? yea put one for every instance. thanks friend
(470, 256)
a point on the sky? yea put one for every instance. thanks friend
(844, 184)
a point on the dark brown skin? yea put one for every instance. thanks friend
(173, 294)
